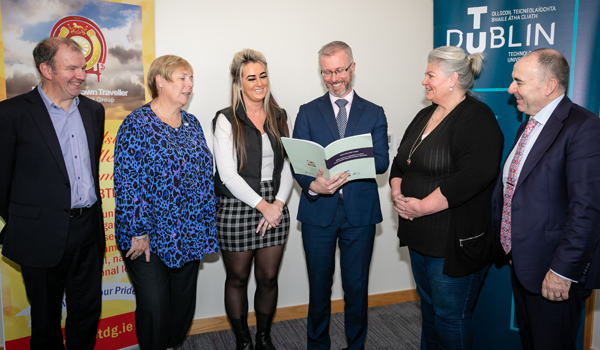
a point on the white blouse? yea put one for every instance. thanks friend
(226, 160)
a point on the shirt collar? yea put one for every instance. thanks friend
(543, 115)
(49, 103)
(348, 97)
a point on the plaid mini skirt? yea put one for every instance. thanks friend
(237, 222)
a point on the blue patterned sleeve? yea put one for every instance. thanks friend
(133, 199)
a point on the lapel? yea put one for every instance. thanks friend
(355, 114)
(546, 138)
(327, 112)
(88, 125)
(41, 117)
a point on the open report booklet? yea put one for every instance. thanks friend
(351, 155)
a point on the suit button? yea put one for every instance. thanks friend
(67, 185)
(66, 211)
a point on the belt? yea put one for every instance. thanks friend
(78, 211)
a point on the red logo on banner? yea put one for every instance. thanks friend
(89, 37)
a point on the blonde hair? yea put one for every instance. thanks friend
(453, 59)
(270, 106)
(165, 66)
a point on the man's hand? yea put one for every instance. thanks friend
(324, 186)
(555, 288)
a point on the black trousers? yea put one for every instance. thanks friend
(165, 300)
(79, 273)
(545, 324)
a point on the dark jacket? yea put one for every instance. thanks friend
(461, 156)
(35, 194)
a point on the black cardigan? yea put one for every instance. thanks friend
(462, 157)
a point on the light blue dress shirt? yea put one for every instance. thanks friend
(74, 146)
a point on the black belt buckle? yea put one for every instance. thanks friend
(78, 211)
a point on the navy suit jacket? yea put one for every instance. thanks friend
(316, 122)
(35, 194)
(555, 221)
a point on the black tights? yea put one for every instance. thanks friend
(266, 269)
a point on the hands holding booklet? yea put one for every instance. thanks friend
(352, 156)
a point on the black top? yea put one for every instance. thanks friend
(251, 171)
(461, 156)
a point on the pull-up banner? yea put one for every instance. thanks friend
(504, 31)
(117, 40)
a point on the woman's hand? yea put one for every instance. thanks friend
(408, 208)
(411, 208)
(139, 245)
(272, 215)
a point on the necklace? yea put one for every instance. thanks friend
(161, 113)
(415, 144)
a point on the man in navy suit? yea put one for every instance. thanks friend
(335, 210)
(546, 204)
(50, 140)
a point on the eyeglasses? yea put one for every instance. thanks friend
(340, 72)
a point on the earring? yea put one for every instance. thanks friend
(451, 89)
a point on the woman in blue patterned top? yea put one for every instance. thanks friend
(165, 213)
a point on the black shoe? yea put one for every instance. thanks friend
(263, 332)
(243, 340)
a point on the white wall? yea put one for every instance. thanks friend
(390, 40)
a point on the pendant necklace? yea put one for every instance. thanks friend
(161, 113)
(415, 144)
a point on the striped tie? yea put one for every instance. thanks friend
(509, 191)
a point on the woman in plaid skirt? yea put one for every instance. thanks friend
(253, 181)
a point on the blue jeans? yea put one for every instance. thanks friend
(446, 303)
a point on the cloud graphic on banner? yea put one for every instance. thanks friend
(32, 12)
(125, 55)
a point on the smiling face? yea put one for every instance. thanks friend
(437, 83)
(63, 81)
(255, 82)
(338, 86)
(179, 89)
(528, 86)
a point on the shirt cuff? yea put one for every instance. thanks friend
(563, 277)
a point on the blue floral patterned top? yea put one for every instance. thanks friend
(164, 186)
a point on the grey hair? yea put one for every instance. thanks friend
(553, 65)
(333, 47)
(46, 49)
(453, 59)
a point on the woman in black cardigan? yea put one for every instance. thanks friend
(442, 181)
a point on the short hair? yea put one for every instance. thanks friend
(333, 47)
(453, 59)
(553, 65)
(45, 50)
(165, 66)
